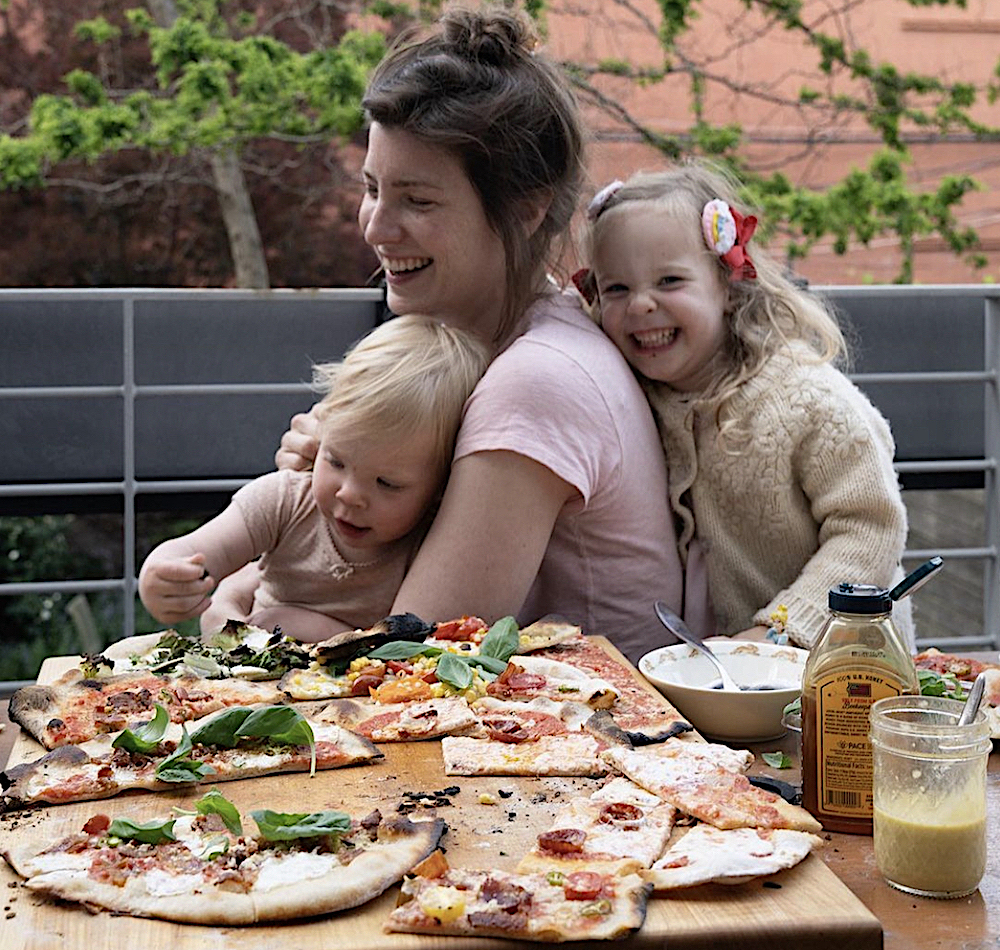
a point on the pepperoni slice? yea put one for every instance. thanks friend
(583, 885)
(97, 825)
(398, 666)
(505, 730)
(562, 840)
(362, 683)
(621, 813)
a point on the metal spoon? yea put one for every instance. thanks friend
(680, 629)
(971, 706)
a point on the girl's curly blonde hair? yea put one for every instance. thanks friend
(765, 314)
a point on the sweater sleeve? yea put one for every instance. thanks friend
(843, 462)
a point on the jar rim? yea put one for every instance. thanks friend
(930, 717)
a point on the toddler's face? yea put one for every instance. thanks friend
(662, 298)
(373, 491)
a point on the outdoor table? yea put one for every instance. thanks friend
(806, 906)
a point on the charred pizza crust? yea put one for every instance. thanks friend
(478, 903)
(74, 708)
(97, 770)
(250, 883)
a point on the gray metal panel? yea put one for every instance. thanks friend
(257, 340)
(906, 332)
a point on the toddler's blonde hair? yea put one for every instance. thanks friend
(411, 374)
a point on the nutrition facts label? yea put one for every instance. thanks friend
(844, 759)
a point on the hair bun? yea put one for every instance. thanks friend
(491, 38)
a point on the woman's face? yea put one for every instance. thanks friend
(425, 221)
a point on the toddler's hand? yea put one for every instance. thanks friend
(175, 588)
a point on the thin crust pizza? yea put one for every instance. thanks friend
(400, 722)
(528, 677)
(706, 854)
(599, 835)
(715, 795)
(552, 907)
(237, 743)
(75, 708)
(203, 869)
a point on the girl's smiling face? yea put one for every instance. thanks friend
(663, 299)
(425, 221)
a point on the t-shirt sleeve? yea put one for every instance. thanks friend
(541, 403)
(267, 505)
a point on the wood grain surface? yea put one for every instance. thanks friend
(806, 906)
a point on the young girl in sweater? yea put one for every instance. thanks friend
(336, 541)
(781, 476)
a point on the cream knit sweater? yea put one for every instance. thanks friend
(810, 500)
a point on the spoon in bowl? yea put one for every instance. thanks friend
(680, 629)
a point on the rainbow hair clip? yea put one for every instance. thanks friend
(726, 234)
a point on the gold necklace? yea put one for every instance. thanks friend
(346, 568)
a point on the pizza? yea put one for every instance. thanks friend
(401, 722)
(528, 677)
(204, 868)
(468, 632)
(711, 793)
(706, 854)
(76, 708)
(572, 753)
(612, 836)
(641, 712)
(963, 668)
(237, 743)
(551, 907)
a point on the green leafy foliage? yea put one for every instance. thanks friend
(282, 826)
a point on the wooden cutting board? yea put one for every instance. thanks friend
(806, 906)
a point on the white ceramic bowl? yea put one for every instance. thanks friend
(685, 677)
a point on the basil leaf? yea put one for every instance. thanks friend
(213, 802)
(402, 650)
(144, 738)
(279, 826)
(777, 760)
(222, 730)
(489, 663)
(281, 724)
(940, 684)
(453, 670)
(176, 767)
(150, 832)
(502, 640)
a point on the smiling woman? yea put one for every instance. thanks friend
(556, 501)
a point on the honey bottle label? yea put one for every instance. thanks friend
(843, 749)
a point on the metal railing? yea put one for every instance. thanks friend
(131, 392)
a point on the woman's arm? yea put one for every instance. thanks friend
(488, 539)
(178, 576)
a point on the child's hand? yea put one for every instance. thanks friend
(175, 588)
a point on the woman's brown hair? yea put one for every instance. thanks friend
(477, 87)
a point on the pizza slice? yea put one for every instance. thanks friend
(963, 668)
(713, 794)
(400, 722)
(202, 868)
(582, 905)
(596, 835)
(640, 711)
(573, 753)
(75, 708)
(706, 854)
(528, 677)
(237, 743)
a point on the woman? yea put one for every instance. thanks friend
(557, 497)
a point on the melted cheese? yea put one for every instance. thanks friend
(293, 868)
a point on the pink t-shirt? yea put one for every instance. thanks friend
(299, 566)
(563, 395)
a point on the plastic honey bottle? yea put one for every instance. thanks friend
(858, 659)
